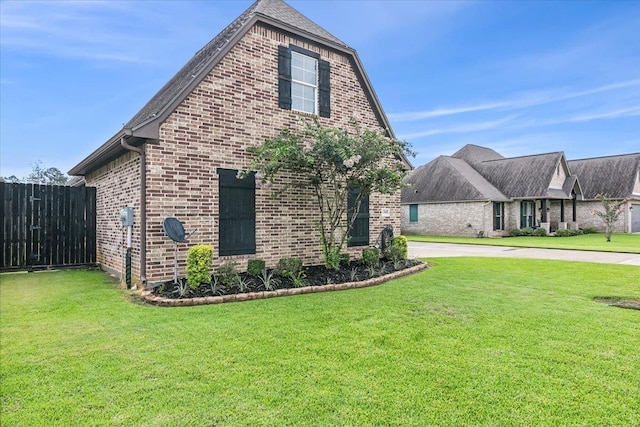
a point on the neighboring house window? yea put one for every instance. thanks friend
(413, 213)
(303, 81)
(526, 213)
(237, 213)
(498, 216)
(359, 230)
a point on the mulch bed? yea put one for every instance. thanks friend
(315, 279)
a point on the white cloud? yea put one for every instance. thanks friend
(518, 102)
(465, 128)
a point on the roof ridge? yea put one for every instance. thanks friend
(605, 157)
(522, 157)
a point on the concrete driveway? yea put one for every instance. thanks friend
(437, 250)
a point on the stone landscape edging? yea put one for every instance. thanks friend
(149, 298)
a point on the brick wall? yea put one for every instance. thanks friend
(455, 219)
(117, 185)
(586, 219)
(233, 108)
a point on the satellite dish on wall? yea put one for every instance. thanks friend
(174, 229)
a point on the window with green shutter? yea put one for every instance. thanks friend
(304, 81)
(413, 213)
(359, 230)
(237, 213)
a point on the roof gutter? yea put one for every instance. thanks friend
(143, 202)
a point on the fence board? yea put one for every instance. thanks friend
(46, 225)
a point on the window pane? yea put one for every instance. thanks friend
(303, 98)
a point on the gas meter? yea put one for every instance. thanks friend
(126, 216)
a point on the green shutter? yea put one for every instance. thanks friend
(413, 213)
(324, 88)
(284, 77)
(237, 213)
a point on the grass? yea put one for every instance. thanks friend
(627, 243)
(469, 342)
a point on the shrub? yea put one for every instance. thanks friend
(400, 245)
(515, 232)
(589, 230)
(255, 267)
(568, 233)
(291, 268)
(527, 231)
(227, 273)
(370, 256)
(199, 265)
(345, 259)
(540, 232)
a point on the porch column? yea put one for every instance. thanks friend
(562, 210)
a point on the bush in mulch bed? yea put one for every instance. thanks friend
(270, 279)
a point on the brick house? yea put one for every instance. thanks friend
(618, 177)
(179, 156)
(478, 192)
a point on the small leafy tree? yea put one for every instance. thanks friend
(330, 162)
(40, 175)
(612, 211)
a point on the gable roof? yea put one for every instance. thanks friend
(613, 175)
(447, 179)
(276, 10)
(526, 176)
(276, 13)
(480, 173)
(473, 154)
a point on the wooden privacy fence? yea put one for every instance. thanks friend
(47, 226)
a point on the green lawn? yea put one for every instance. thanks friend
(469, 342)
(629, 243)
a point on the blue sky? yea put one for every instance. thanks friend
(519, 77)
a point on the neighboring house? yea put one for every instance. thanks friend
(182, 153)
(478, 192)
(616, 176)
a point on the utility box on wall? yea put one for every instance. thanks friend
(126, 216)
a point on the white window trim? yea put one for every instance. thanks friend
(315, 87)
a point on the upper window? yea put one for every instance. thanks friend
(303, 81)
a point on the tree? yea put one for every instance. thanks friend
(41, 175)
(331, 162)
(612, 211)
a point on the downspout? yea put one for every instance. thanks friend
(143, 204)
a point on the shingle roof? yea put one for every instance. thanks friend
(527, 176)
(613, 175)
(473, 154)
(277, 10)
(145, 124)
(480, 173)
(447, 179)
